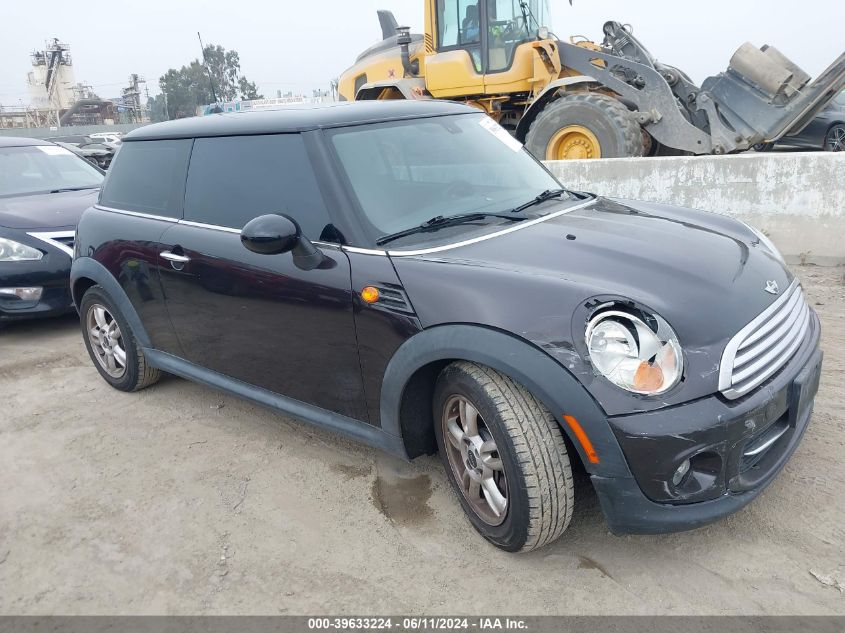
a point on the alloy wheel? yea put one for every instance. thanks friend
(106, 340)
(475, 460)
(835, 141)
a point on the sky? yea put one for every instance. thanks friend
(292, 45)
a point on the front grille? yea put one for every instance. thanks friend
(63, 240)
(763, 346)
(67, 241)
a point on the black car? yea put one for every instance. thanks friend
(825, 132)
(406, 274)
(44, 188)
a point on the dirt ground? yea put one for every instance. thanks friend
(181, 500)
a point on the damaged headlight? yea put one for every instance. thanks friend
(637, 353)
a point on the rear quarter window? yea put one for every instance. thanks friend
(148, 177)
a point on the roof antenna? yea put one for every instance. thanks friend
(216, 109)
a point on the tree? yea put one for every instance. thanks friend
(158, 108)
(191, 85)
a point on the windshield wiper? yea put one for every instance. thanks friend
(440, 221)
(548, 194)
(63, 189)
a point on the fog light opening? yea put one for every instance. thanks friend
(680, 473)
(24, 294)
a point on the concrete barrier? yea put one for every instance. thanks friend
(797, 199)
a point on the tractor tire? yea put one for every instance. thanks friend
(584, 125)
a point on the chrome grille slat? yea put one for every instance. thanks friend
(775, 351)
(772, 338)
(763, 346)
(741, 388)
(774, 321)
(63, 240)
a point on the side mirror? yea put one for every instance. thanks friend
(274, 234)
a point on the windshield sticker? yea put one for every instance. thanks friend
(500, 133)
(54, 150)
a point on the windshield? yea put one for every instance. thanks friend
(42, 169)
(405, 173)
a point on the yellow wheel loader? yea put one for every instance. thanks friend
(580, 99)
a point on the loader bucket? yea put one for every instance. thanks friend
(764, 96)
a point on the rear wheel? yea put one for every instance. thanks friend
(112, 345)
(584, 125)
(505, 456)
(835, 139)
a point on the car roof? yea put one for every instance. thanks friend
(298, 118)
(19, 141)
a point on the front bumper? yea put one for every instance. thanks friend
(721, 438)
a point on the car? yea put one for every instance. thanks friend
(106, 137)
(825, 132)
(99, 154)
(71, 139)
(44, 188)
(405, 273)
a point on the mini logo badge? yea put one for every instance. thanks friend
(771, 287)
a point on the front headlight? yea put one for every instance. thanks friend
(638, 353)
(767, 243)
(11, 251)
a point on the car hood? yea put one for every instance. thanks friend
(704, 273)
(45, 211)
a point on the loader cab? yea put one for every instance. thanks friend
(474, 39)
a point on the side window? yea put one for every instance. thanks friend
(148, 176)
(458, 23)
(507, 29)
(233, 179)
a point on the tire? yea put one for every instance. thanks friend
(612, 130)
(834, 140)
(533, 472)
(108, 338)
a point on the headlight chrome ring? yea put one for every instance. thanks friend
(638, 353)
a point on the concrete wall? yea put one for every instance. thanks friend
(45, 132)
(796, 198)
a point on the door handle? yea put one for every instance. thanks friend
(177, 262)
(173, 257)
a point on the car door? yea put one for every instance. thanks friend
(258, 318)
(456, 67)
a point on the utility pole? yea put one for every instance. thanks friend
(166, 108)
(216, 108)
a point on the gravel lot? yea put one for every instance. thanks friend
(180, 500)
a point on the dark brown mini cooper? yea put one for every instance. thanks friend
(406, 274)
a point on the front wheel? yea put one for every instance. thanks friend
(584, 125)
(504, 455)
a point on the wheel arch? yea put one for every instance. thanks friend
(410, 89)
(85, 273)
(548, 95)
(408, 388)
